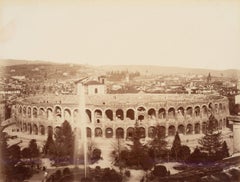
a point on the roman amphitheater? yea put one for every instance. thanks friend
(115, 115)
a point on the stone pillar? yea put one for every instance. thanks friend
(236, 132)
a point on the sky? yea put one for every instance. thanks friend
(184, 33)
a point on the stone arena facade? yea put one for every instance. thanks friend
(115, 115)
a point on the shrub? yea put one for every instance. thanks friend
(160, 171)
(127, 173)
(96, 155)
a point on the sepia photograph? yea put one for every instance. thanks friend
(120, 91)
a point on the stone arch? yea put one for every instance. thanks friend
(210, 106)
(151, 132)
(171, 130)
(180, 111)
(109, 114)
(67, 114)
(141, 109)
(189, 129)
(57, 129)
(189, 111)
(171, 113)
(89, 132)
(58, 111)
(142, 132)
(119, 114)
(181, 129)
(161, 113)
(197, 128)
(197, 111)
(98, 132)
(130, 132)
(35, 129)
(35, 112)
(152, 113)
(29, 112)
(109, 132)
(130, 114)
(42, 130)
(119, 133)
(89, 115)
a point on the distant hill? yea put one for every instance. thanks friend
(143, 69)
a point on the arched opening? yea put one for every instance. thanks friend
(50, 130)
(95, 90)
(109, 114)
(204, 127)
(197, 111)
(24, 111)
(189, 129)
(161, 131)
(140, 117)
(75, 115)
(35, 129)
(151, 132)
(24, 127)
(109, 132)
(224, 123)
(220, 107)
(130, 114)
(42, 130)
(180, 112)
(98, 114)
(20, 110)
(162, 113)
(41, 112)
(189, 111)
(141, 109)
(119, 133)
(220, 124)
(89, 132)
(49, 113)
(119, 114)
(210, 106)
(98, 132)
(30, 128)
(171, 130)
(204, 110)
(171, 113)
(197, 128)
(89, 115)
(58, 111)
(152, 113)
(35, 112)
(142, 132)
(67, 114)
(181, 129)
(216, 108)
(29, 112)
(130, 132)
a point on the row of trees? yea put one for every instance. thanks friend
(211, 148)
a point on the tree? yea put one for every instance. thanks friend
(33, 148)
(176, 147)
(211, 141)
(49, 147)
(184, 153)
(225, 150)
(158, 146)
